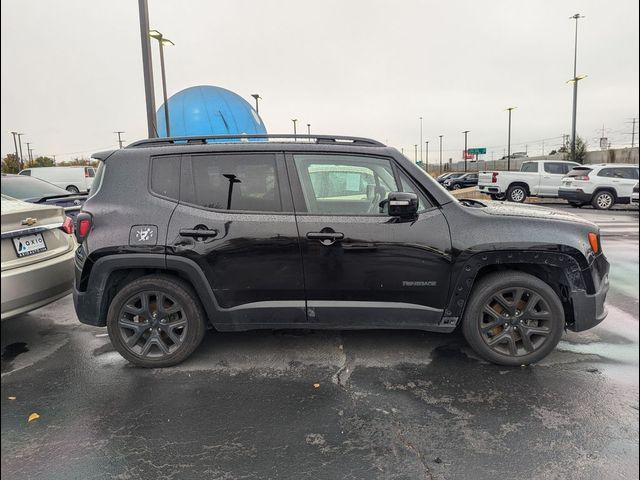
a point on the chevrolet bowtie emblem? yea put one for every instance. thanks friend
(29, 221)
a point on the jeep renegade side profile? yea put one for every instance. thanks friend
(320, 232)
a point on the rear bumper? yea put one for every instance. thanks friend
(589, 309)
(34, 286)
(574, 195)
(490, 189)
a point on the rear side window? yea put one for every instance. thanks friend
(165, 176)
(240, 182)
(26, 172)
(529, 167)
(579, 172)
(556, 168)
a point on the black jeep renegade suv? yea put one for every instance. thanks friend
(324, 233)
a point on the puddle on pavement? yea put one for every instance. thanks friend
(9, 354)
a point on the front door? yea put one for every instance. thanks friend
(363, 268)
(551, 177)
(235, 221)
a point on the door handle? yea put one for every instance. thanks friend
(327, 238)
(198, 233)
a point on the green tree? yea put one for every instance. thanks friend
(10, 164)
(580, 153)
(41, 162)
(79, 162)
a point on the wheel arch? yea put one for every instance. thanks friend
(611, 190)
(519, 184)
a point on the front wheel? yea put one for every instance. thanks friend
(72, 189)
(155, 321)
(513, 319)
(517, 194)
(456, 186)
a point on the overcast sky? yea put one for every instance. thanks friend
(72, 69)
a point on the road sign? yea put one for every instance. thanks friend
(477, 151)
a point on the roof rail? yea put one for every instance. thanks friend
(204, 139)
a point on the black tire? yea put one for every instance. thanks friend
(72, 189)
(542, 322)
(603, 200)
(517, 194)
(169, 336)
(456, 186)
(498, 196)
(576, 204)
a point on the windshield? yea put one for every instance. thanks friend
(23, 187)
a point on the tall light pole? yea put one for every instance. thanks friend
(163, 42)
(20, 147)
(29, 150)
(147, 68)
(420, 138)
(426, 161)
(441, 153)
(257, 97)
(119, 133)
(309, 131)
(575, 81)
(465, 150)
(509, 140)
(295, 128)
(15, 145)
(415, 153)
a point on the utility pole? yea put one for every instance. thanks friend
(542, 147)
(162, 41)
(633, 134)
(20, 147)
(147, 68)
(465, 150)
(119, 133)
(15, 145)
(420, 138)
(415, 155)
(29, 150)
(509, 140)
(295, 130)
(441, 153)
(575, 81)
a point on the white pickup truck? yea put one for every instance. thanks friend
(541, 178)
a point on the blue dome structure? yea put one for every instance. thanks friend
(208, 110)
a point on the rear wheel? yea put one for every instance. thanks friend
(603, 200)
(517, 193)
(72, 189)
(513, 318)
(155, 321)
(456, 186)
(498, 196)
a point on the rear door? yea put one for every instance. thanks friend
(552, 177)
(235, 220)
(363, 268)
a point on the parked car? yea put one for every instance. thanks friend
(240, 235)
(34, 190)
(515, 155)
(601, 185)
(37, 256)
(634, 195)
(72, 179)
(446, 176)
(463, 181)
(540, 178)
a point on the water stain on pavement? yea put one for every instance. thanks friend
(9, 354)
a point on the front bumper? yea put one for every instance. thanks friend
(574, 195)
(589, 309)
(34, 286)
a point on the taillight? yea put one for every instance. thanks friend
(494, 177)
(67, 226)
(84, 222)
(86, 174)
(582, 177)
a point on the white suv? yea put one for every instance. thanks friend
(601, 185)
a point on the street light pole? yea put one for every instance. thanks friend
(426, 161)
(295, 129)
(441, 154)
(420, 138)
(20, 147)
(575, 87)
(15, 145)
(309, 131)
(509, 140)
(465, 150)
(119, 133)
(147, 68)
(162, 41)
(257, 97)
(415, 153)
(29, 150)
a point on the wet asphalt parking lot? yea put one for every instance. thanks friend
(327, 405)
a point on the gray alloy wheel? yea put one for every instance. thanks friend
(513, 318)
(517, 194)
(155, 321)
(603, 201)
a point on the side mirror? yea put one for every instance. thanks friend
(402, 204)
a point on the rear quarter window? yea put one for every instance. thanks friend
(165, 176)
(529, 167)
